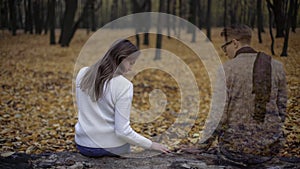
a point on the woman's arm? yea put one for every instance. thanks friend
(122, 123)
(122, 120)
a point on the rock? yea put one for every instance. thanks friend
(193, 164)
(77, 165)
(16, 160)
(275, 167)
(69, 161)
(44, 164)
(74, 160)
(87, 164)
(290, 159)
(53, 157)
(61, 167)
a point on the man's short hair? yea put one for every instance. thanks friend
(239, 32)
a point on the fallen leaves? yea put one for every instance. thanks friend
(7, 154)
(37, 113)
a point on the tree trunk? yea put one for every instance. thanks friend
(245, 12)
(252, 15)
(148, 8)
(93, 18)
(88, 3)
(270, 28)
(12, 16)
(232, 11)
(240, 20)
(174, 19)
(87, 18)
(21, 26)
(46, 19)
(259, 20)
(292, 5)
(51, 14)
(114, 11)
(192, 19)
(159, 30)
(136, 9)
(71, 6)
(225, 18)
(180, 15)
(208, 18)
(262, 17)
(61, 11)
(294, 17)
(278, 11)
(4, 15)
(106, 13)
(37, 17)
(168, 18)
(30, 17)
(200, 14)
(96, 15)
(124, 8)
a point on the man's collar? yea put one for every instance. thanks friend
(246, 49)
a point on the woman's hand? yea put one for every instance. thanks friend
(159, 147)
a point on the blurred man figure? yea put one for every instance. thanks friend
(250, 130)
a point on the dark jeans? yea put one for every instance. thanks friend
(100, 152)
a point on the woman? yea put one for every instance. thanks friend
(104, 99)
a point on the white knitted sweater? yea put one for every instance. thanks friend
(105, 123)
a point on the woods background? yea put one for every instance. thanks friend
(39, 16)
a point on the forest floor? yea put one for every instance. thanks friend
(38, 113)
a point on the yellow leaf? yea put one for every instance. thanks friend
(7, 154)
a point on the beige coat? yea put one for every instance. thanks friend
(238, 131)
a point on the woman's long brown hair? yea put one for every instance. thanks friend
(103, 70)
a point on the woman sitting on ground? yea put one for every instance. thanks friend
(104, 99)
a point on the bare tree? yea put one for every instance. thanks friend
(173, 22)
(37, 17)
(60, 7)
(232, 11)
(12, 16)
(252, 15)
(142, 6)
(159, 30)
(148, 8)
(4, 22)
(270, 28)
(192, 18)
(124, 8)
(168, 18)
(44, 16)
(208, 19)
(51, 14)
(28, 16)
(294, 17)
(278, 8)
(200, 14)
(136, 9)
(292, 5)
(114, 11)
(19, 16)
(259, 20)
(181, 10)
(66, 30)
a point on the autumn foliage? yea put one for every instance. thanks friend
(37, 112)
